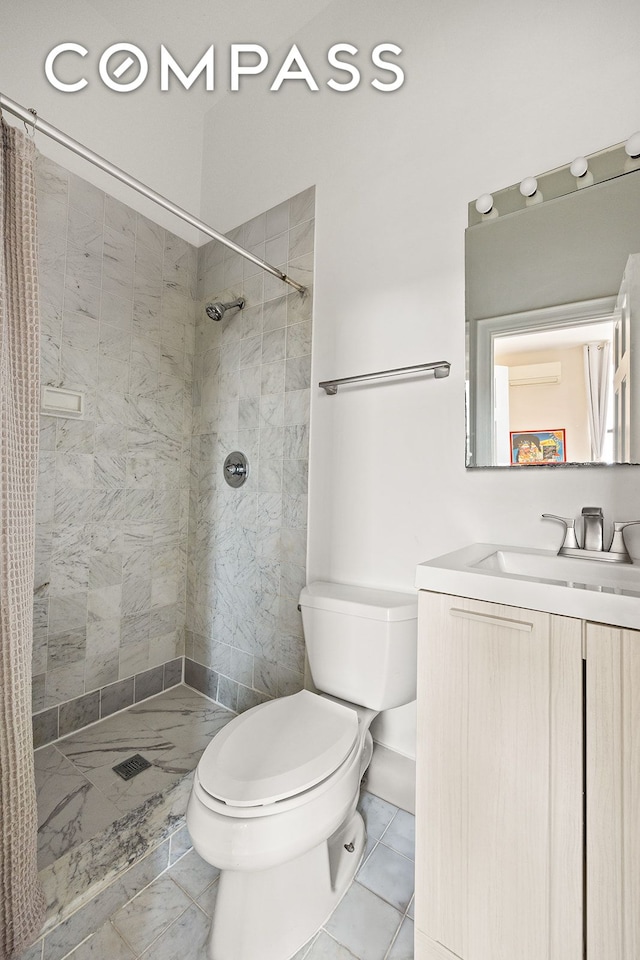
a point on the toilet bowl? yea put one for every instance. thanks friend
(274, 797)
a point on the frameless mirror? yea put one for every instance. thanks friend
(553, 318)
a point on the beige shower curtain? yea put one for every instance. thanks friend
(21, 899)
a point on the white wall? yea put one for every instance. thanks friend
(492, 95)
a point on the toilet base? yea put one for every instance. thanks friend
(270, 914)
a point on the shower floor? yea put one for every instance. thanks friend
(79, 794)
(101, 839)
(115, 859)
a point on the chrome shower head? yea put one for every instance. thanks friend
(217, 310)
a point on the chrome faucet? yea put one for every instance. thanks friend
(593, 537)
(593, 528)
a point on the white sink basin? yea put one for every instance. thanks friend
(570, 571)
(540, 580)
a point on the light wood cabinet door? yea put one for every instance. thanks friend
(613, 792)
(499, 847)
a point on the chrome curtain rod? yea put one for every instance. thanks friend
(31, 118)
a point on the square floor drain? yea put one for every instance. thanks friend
(131, 767)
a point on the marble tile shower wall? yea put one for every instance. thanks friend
(118, 308)
(247, 546)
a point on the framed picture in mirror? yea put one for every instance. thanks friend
(537, 447)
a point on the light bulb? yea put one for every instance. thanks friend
(579, 167)
(484, 204)
(528, 186)
(632, 146)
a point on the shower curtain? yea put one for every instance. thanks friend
(21, 898)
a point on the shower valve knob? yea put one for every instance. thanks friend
(236, 469)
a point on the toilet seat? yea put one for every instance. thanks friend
(277, 750)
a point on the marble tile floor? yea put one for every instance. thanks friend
(169, 917)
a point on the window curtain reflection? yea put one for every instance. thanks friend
(597, 374)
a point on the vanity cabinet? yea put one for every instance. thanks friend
(612, 770)
(512, 724)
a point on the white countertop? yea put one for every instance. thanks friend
(538, 580)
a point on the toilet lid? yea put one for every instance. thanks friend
(278, 749)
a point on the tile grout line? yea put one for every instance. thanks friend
(335, 940)
(118, 933)
(155, 941)
(111, 919)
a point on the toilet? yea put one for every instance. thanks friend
(274, 797)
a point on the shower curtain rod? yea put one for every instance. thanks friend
(31, 118)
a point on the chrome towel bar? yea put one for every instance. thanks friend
(440, 369)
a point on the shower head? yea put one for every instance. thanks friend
(217, 310)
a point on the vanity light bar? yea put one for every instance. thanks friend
(607, 164)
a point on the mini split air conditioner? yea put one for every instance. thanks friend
(532, 373)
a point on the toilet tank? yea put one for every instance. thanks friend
(361, 642)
